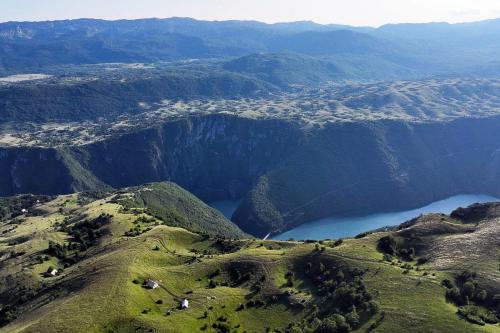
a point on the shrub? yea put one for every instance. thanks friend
(407, 254)
(362, 235)
(388, 245)
(481, 295)
(472, 314)
(338, 242)
(327, 326)
(214, 274)
(447, 283)
(422, 260)
(7, 314)
(222, 327)
(453, 294)
(353, 318)
(468, 289)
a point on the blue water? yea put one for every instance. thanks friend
(226, 207)
(334, 227)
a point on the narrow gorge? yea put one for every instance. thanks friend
(287, 174)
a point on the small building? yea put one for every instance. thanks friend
(185, 304)
(24, 211)
(51, 272)
(152, 284)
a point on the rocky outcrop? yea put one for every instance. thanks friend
(477, 212)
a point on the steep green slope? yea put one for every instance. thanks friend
(231, 285)
(169, 202)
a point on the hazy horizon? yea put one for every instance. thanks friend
(355, 12)
(244, 20)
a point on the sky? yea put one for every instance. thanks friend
(352, 12)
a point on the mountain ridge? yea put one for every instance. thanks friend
(88, 41)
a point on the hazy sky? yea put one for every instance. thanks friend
(354, 12)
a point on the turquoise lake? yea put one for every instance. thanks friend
(334, 227)
(341, 227)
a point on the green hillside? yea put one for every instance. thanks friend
(105, 246)
(178, 208)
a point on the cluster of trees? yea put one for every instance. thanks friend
(85, 198)
(138, 224)
(224, 245)
(475, 304)
(135, 231)
(390, 246)
(342, 299)
(85, 234)
(341, 303)
(13, 306)
(69, 253)
(238, 274)
(7, 314)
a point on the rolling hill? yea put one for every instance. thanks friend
(286, 69)
(109, 92)
(80, 263)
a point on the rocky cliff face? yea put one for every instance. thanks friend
(288, 175)
(33, 170)
(213, 156)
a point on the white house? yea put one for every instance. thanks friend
(24, 210)
(53, 272)
(152, 284)
(185, 304)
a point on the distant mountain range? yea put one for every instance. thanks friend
(402, 50)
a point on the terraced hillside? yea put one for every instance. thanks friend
(80, 263)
